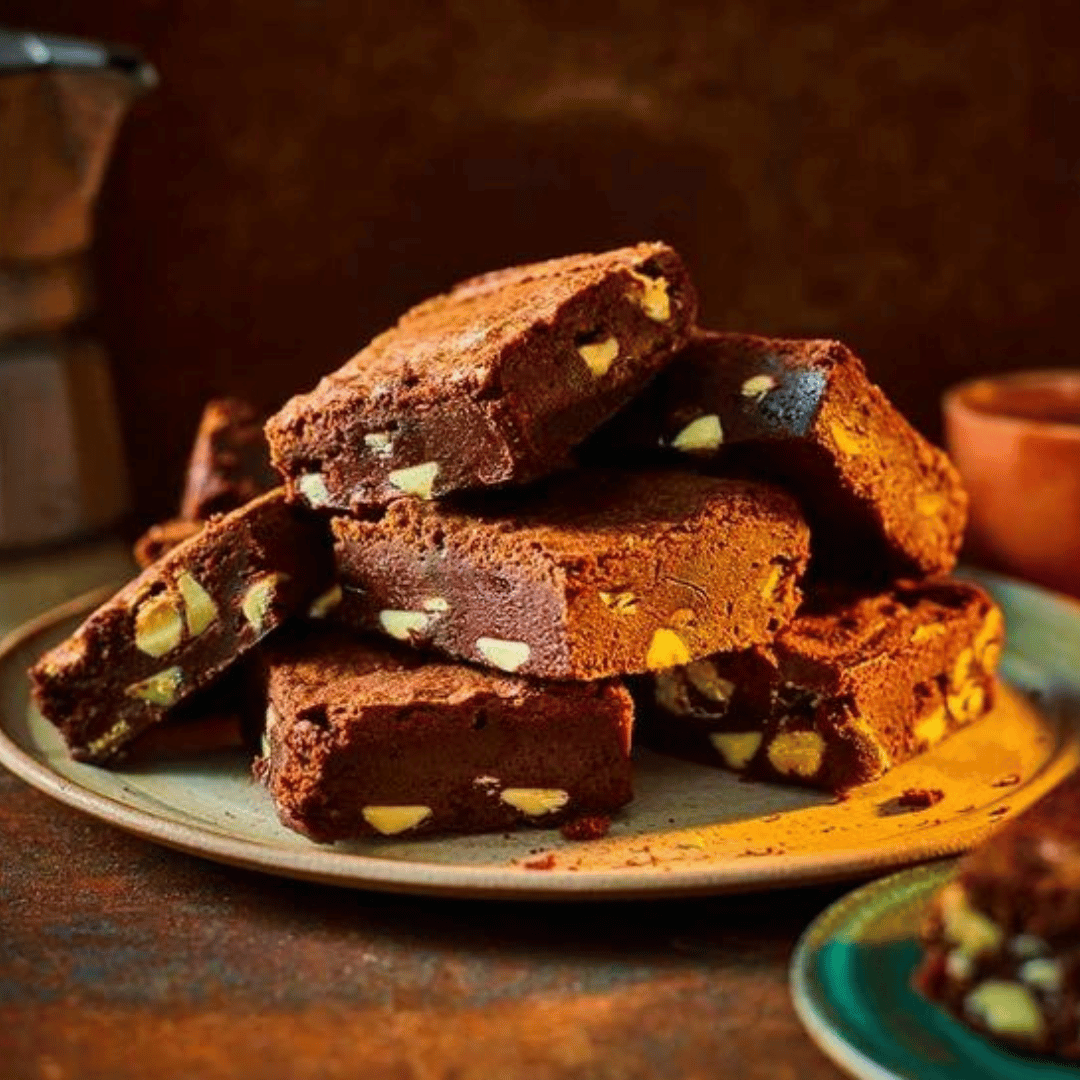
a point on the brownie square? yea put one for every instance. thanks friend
(493, 383)
(181, 623)
(1002, 939)
(852, 687)
(590, 575)
(370, 738)
(882, 502)
(229, 463)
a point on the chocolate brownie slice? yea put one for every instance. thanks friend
(182, 622)
(368, 737)
(229, 463)
(851, 688)
(880, 498)
(589, 575)
(494, 382)
(1002, 939)
(229, 466)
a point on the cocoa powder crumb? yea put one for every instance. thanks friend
(588, 827)
(920, 798)
(546, 863)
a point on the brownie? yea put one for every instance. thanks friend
(852, 687)
(493, 383)
(589, 575)
(369, 737)
(1002, 939)
(181, 623)
(163, 537)
(229, 463)
(881, 500)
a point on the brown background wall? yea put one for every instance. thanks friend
(899, 173)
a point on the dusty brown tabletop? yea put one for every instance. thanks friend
(122, 959)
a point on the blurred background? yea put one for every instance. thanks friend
(900, 174)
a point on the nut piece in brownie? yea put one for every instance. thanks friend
(369, 737)
(181, 623)
(494, 382)
(1002, 939)
(851, 688)
(588, 575)
(879, 497)
(229, 463)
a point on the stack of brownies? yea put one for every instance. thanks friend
(538, 504)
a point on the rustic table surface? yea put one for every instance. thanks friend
(122, 959)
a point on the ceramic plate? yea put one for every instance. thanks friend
(851, 985)
(691, 829)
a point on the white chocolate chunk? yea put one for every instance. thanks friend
(158, 626)
(653, 298)
(505, 655)
(436, 604)
(1005, 1008)
(403, 625)
(968, 929)
(933, 727)
(379, 442)
(323, 604)
(797, 753)
(1043, 974)
(1028, 946)
(622, 603)
(107, 742)
(666, 650)
(259, 598)
(200, 611)
(416, 480)
(959, 966)
(160, 689)
(736, 747)
(535, 802)
(488, 784)
(758, 386)
(704, 678)
(390, 820)
(672, 693)
(704, 433)
(600, 355)
(314, 490)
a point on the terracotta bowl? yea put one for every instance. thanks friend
(1016, 441)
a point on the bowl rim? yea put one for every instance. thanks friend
(955, 400)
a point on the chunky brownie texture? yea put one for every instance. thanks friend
(370, 738)
(163, 537)
(881, 500)
(852, 687)
(1002, 939)
(494, 382)
(181, 623)
(588, 575)
(229, 463)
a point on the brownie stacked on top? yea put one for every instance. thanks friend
(537, 498)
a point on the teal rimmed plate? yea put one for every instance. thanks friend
(851, 986)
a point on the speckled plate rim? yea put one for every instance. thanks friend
(511, 882)
(836, 1019)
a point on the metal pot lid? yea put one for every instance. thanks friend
(24, 51)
